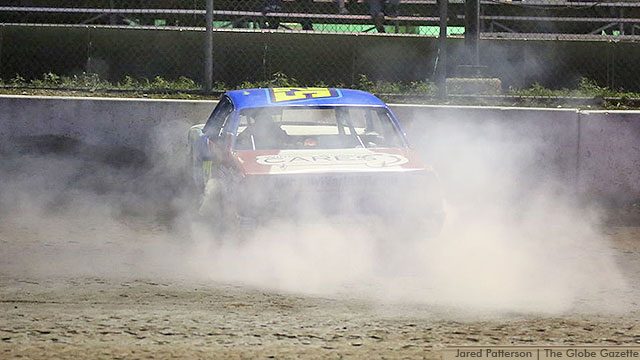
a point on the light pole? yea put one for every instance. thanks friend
(441, 65)
(208, 56)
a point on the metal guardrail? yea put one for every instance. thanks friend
(357, 18)
(558, 36)
(98, 10)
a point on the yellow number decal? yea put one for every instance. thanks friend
(300, 93)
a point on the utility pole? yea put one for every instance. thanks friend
(113, 20)
(472, 31)
(208, 56)
(441, 62)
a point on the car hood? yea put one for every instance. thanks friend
(328, 161)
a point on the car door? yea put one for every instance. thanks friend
(217, 146)
(213, 130)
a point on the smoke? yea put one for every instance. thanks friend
(515, 237)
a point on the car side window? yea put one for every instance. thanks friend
(218, 117)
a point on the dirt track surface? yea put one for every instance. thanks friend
(91, 268)
(116, 316)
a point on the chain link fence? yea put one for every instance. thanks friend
(68, 43)
(392, 44)
(568, 41)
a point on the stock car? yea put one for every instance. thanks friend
(306, 152)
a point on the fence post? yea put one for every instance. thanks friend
(113, 20)
(472, 30)
(208, 56)
(441, 61)
(1, 42)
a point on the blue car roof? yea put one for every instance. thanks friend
(301, 96)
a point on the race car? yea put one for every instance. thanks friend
(303, 152)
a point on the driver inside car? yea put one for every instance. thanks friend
(263, 132)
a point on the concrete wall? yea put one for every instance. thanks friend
(134, 123)
(510, 148)
(550, 135)
(595, 152)
(609, 160)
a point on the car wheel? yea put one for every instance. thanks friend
(195, 178)
(217, 210)
(197, 173)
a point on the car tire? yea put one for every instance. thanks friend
(195, 179)
(196, 173)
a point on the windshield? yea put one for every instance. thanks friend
(275, 128)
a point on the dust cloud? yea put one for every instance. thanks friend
(516, 239)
